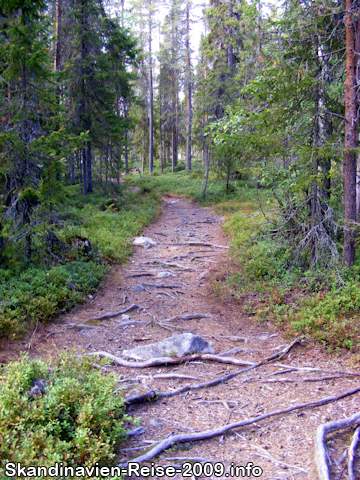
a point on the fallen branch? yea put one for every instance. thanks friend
(351, 453)
(322, 430)
(154, 362)
(206, 434)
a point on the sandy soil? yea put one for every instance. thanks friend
(282, 446)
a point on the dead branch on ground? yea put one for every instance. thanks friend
(206, 434)
(322, 430)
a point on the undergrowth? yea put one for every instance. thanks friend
(38, 291)
(78, 420)
(262, 274)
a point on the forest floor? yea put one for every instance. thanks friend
(283, 445)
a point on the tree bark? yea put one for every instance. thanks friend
(188, 74)
(57, 55)
(350, 133)
(151, 99)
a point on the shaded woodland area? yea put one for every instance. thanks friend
(85, 92)
(104, 106)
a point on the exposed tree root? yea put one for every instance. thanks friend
(161, 285)
(322, 430)
(351, 453)
(93, 319)
(154, 362)
(112, 314)
(203, 244)
(166, 293)
(170, 264)
(191, 316)
(206, 434)
(144, 274)
(310, 379)
(152, 395)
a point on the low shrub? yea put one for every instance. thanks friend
(77, 421)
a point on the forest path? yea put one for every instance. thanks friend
(282, 446)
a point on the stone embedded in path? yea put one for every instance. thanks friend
(177, 345)
(138, 288)
(165, 274)
(145, 242)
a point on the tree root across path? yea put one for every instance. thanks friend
(155, 362)
(94, 319)
(320, 448)
(152, 395)
(206, 434)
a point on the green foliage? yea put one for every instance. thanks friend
(78, 421)
(30, 294)
(332, 317)
(39, 295)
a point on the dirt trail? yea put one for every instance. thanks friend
(282, 446)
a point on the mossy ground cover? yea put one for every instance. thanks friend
(261, 274)
(41, 290)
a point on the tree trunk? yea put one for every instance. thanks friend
(315, 166)
(160, 112)
(207, 160)
(89, 168)
(188, 73)
(57, 54)
(151, 96)
(350, 134)
(85, 171)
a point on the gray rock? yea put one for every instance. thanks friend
(177, 345)
(38, 388)
(165, 274)
(138, 288)
(145, 242)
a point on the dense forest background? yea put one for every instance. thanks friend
(92, 90)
